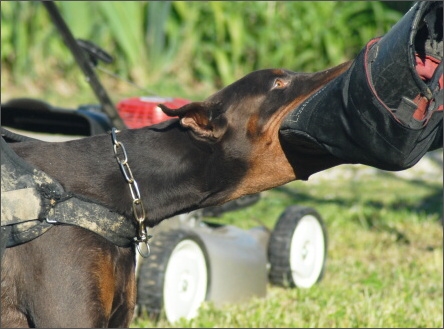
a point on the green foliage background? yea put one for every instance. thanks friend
(193, 41)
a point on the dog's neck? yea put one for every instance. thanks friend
(174, 173)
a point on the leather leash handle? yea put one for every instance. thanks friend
(85, 64)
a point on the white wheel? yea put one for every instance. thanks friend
(297, 248)
(186, 281)
(174, 278)
(307, 252)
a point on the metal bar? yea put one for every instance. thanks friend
(85, 64)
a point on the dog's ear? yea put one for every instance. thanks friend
(201, 117)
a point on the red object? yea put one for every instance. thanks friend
(139, 112)
(425, 69)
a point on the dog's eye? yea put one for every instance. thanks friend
(279, 84)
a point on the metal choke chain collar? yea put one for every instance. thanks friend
(138, 209)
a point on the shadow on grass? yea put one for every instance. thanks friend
(431, 204)
(368, 214)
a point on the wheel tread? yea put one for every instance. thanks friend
(280, 242)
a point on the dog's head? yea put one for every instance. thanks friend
(244, 118)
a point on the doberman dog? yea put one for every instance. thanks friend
(216, 150)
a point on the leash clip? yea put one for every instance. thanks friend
(141, 242)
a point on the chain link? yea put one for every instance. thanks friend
(138, 208)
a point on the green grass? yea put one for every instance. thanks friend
(385, 256)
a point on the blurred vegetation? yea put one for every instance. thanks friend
(192, 41)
